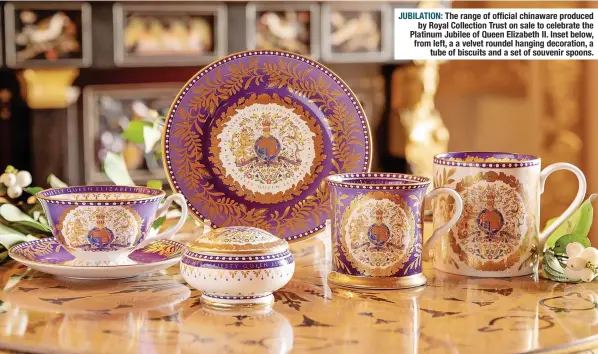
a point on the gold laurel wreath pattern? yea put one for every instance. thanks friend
(208, 96)
(162, 248)
(42, 248)
(525, 243)
(395, 268)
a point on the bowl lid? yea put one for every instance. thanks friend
(238, 239)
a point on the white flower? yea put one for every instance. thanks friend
(573, 275)
(14, 191)
(587, 274)
(9, 179)
(590, 254)
(23, 179)
(581, 262)
(574, 249)
(576, 263)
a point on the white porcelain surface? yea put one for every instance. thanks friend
(499, 233)
(101, 272)
(256, 264)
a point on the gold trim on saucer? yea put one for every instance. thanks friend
(238, 306)
(377, 283)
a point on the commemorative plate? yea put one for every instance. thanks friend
(250, 139)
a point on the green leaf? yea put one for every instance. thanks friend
(10, 169)
(154, 183)
(151, 136)
(5, 230)
(577, 224)
(158, 222)
(13, 214)
(552, 267)
(42, 220)
(134, 131)
(560, 246)
(33, 190)
(116, 170)
(10, 240)
(55, 182)
(3, 254)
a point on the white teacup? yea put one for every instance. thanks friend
(107, 223)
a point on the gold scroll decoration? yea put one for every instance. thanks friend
(49, 88)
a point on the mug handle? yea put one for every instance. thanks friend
(180, 200)
(447, 226)
(581, 193)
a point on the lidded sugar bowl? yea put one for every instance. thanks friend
(237, 267)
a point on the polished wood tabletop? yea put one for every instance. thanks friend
(159, 313)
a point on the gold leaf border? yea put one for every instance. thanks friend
(204, 103)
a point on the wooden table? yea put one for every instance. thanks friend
(160, 314)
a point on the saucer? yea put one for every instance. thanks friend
(48, 256)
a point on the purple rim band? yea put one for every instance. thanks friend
(514, 160)
(237, 266)
(53, 195)
(381, 181)
(201, 256)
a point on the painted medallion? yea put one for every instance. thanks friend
(266, 149)
(378, 232)
(100, 227)
(251, 138)
(492, 232)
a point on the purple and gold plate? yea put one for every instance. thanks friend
(250, 139)
(48, 256)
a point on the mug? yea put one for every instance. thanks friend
(106, 223)
(377, 229)
(498, 234)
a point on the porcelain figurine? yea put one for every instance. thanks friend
(237, 267)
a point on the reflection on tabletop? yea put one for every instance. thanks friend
(160, 314)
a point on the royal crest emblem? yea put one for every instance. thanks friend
(492, 229)
(267, 150)
(100, 227)
(100, 236)
(379, 233)
(490, 220)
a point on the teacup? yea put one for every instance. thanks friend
(105, 224)
(377, 229)
(498, 234)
